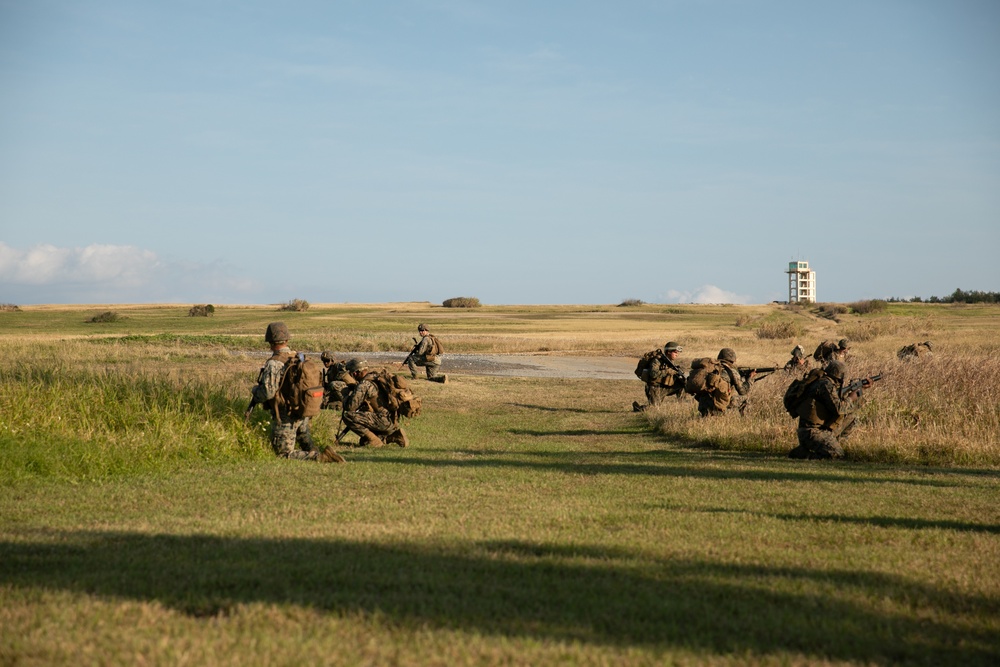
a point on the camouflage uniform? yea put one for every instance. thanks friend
(286, 433)
(916, 350)
(829, 350)
(824, 417)
(798, 362)
(424, 356)
(365, 415)
(711, 403)
(336, 379)
(663, 379)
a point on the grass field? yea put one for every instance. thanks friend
(532, 521)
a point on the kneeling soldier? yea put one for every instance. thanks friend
(364, 413)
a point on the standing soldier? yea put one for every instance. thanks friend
(364, 413)
(823, 416)
(426, 353)
(715, 387)
(286, 432)
(662, 376)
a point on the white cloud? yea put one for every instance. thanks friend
(706, 294)
(113, 273)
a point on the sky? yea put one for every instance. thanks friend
(519, 152)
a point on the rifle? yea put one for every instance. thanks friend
(416, 344)
(254, 402)
(859, 384)
(762, 372)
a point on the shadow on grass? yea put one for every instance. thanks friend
(908, 523)
(655, 465)
(524, 589)
(549, 408)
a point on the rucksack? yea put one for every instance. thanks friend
(394, 394)
(797, 391)
(645, 364)
(436, 348)
(300, 390)
(706, 375)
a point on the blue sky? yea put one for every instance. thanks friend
(518, 152)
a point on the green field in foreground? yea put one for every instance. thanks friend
(532, 521)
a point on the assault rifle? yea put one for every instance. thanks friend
(416, 344)
(762, 372)
(254, 402)
(859, 384)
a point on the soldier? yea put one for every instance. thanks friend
(824, 416)
(286, 432)
(364, 413)
(663, 378)
(916, 350)
(335, 381)
(799, 361)
(829, 351)
(426, 353)
(717, 396)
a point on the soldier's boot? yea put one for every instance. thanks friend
(638, 408)
(330, 456)
(398, 437)
(369, 439)
(799, 452)
(443, 379)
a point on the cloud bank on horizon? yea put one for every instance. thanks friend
(517, 152)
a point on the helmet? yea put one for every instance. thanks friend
(843, 344)
(327, 355)
(422, 327)
(276, 332)
(929, 345)
(727, 354)
(355, 365)
(672, 347)
(798, 352)
(835, 369)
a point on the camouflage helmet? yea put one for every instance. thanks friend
(327, 356)
(844, 344)
(929, 345)
(422, 327)
(672, 347)
(355, 365)
(835, 369)
(798, 352)
(727, 354)
(276, 332)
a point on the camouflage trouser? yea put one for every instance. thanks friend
(430, 366)
(707, 405)
(817, 443)
(378, 423)
(286, 435)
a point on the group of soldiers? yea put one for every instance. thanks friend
(823, 404)
(349, 386)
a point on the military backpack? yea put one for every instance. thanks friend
(642, 369)
(300, 390)
(394, 394)
(706, 375)
(798, 391)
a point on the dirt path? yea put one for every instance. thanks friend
(522, 365)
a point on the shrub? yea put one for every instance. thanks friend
(461, 302)
(295, 305)
(9, 307)
(106, 316)
(779, 330)
(870, 306)
(744, 320)
(202, 310)
(631, 302)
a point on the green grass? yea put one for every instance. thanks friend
(532, 521)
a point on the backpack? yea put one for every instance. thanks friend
(706, 375)
(436, 348)
(645, 363)
(394, 394)
(797, 391)
(300, 390)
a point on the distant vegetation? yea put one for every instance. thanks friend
(9, 307)
(106, 317)
(461, 302)
(295, 305)
(869, 307)
(631, 302)
(958, 296)
(203, 310)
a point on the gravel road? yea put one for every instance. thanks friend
(519, 365)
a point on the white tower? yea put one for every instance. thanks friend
(801, 283)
